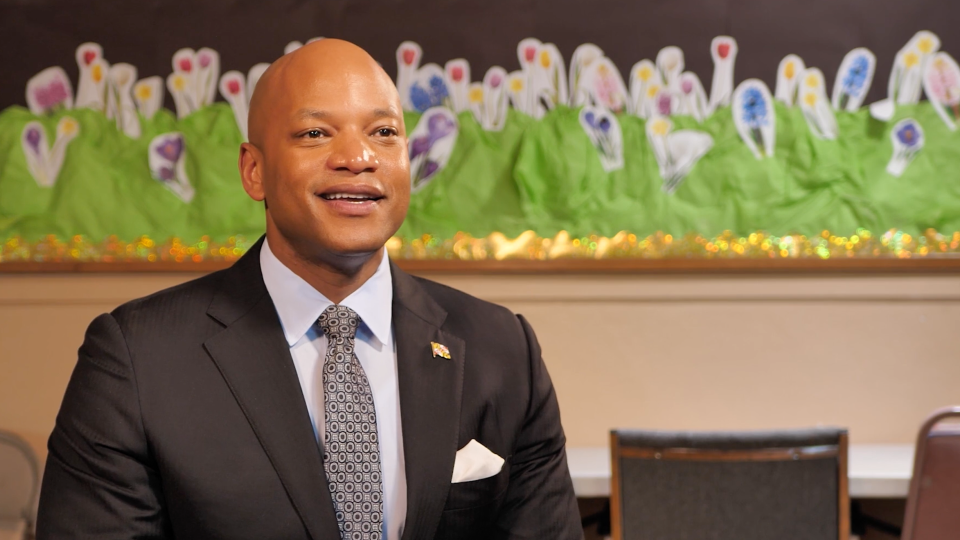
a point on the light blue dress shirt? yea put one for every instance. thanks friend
(299, 306)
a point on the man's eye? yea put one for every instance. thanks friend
(386, 132)
(314, 133)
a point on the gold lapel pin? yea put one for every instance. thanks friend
(440, 350)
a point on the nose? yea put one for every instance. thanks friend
(352, 152)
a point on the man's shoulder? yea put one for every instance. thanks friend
(180, 303)
(465, 310)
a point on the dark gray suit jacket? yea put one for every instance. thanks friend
(184, 418)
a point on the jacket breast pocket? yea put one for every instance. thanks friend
(465, 495)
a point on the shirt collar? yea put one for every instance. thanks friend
(299, 305)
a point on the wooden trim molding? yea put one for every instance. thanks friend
(616, 502)
(843, 497)
(938, 265)
(762, 454)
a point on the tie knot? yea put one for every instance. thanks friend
(339, 322)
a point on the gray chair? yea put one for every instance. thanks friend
(19, 483)
(780, 485)
(933, 504)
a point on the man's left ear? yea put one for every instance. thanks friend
(251, 172)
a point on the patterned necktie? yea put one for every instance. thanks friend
(351, 451)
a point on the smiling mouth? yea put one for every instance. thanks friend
(350, 197)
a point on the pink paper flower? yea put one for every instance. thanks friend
(51, 95)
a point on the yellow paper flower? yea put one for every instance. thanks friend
(660, 126)
(652, 91)
(476, 95)
(925, 45)
(789, 70)
(603, 70)
(545, 59)
(812, 81)
(179, 83)
(645, 73)
(810, 98)
(97, 73)
(69, 126)
(516, 84)
(911, 59)
(143, 92)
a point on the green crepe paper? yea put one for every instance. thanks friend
(808, 186)
(542, 175)
(105, 187)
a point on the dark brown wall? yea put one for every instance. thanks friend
(35, 34)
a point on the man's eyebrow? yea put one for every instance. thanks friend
(385, 113)
(314, 114)
(304, 114)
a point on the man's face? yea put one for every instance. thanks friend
(334, 168)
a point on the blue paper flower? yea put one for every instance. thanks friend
(432, 96)
(754, 108)
(591, 119)
(909, 135)
(856, 76)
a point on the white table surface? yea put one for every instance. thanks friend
(876, 471)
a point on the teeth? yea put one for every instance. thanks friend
(336, 196)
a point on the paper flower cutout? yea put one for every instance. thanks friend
(605, 87)
(941, 82)
(429, 90)
(44, 162)
(676, 151)
(49, 90)
(604, 132)
(753, 115)
(431, 145)
(854, 79)
(167, 159)
(816, 110)
(907, 138)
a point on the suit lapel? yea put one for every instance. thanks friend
(430, 395)
(254, 359)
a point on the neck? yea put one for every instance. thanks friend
(334, 276)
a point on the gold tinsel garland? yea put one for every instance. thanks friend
(528, 246)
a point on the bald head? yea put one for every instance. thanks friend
(303, 70)
(328, 156)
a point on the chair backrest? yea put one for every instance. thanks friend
(783, 485)
(933, 504)
(19, 479)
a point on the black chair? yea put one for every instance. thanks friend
(779, 485)
(933, 506)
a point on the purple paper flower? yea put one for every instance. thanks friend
(909, 135)
(591, 119)
(171, 149)
(495, 81)
(439, 126)
(429, 169)
(166, 173)
(604, 125)
(420, 146)
(204, 60)
(51, 95)
(665, 104)
(33, 139)
(687, 86)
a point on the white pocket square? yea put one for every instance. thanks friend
(475, 462)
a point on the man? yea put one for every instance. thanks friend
(313, 390)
